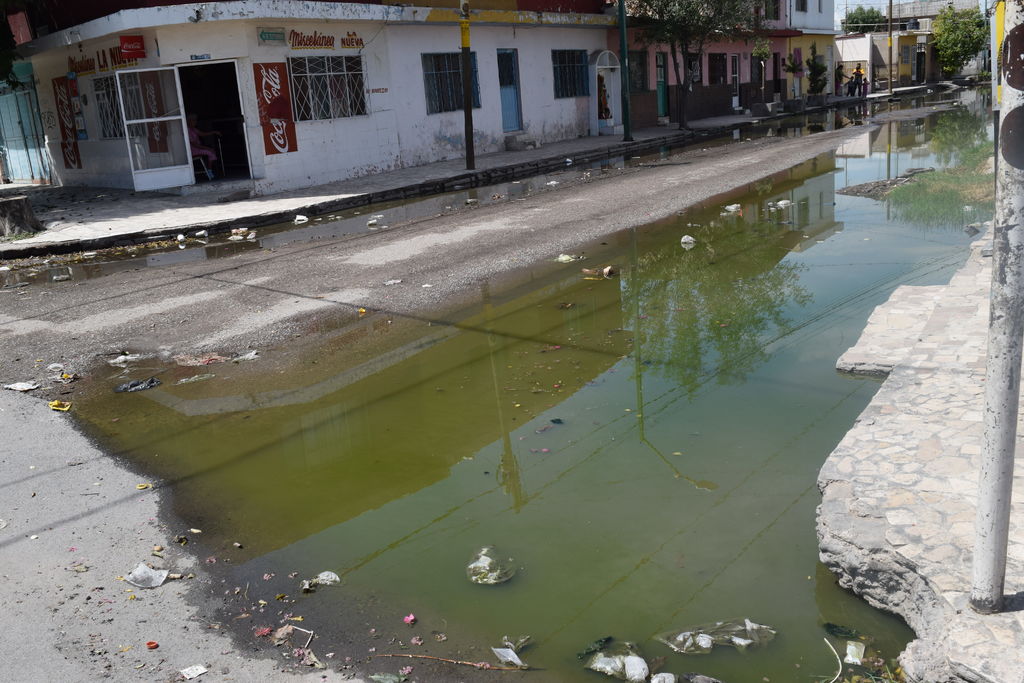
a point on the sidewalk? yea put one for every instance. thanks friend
(899, 492)
(85, 218)
(91, 218)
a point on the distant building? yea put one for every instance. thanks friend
(292, 94)
(913, 52)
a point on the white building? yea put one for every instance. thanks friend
(301, 93)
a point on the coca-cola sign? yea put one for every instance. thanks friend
(275, 108)
(133, 47)
(66, 120)
(153, 107)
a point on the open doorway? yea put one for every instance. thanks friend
(216, 125)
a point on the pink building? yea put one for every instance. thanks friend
(726, 79)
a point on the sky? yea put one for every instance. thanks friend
(880, 5)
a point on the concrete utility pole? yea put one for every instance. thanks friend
(627, 127)
(1006, 333)
(467, 87)
(890, 48)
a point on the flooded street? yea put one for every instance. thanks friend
(644, 446)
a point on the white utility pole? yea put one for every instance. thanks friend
(890, 48)
(1006, 332)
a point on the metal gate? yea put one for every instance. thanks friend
(22, 142)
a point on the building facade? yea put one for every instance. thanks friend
(727, 78)
(275, 95)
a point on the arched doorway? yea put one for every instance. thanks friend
(605, 94)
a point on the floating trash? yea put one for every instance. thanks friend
(738, 633)
(485, 568)
(621, 661)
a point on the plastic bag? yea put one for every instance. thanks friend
(698, 640)
(622, 661)
(485, 568)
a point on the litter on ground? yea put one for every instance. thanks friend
(137, 385)
(22, 386)
(145, 576)
(193, 672)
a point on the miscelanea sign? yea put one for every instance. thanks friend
(275, 107)
(315, 40)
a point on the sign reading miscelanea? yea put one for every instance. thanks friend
(63, 90)
(275, 107)
(315, 40)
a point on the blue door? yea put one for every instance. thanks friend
(22, 141)
(508, 80)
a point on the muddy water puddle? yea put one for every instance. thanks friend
(644, 447)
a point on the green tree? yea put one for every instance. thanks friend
(816, 72)
(959, 35)
(864, 20)
(687, 26)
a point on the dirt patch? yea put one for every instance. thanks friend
(880, 189)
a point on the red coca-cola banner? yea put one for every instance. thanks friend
(63, 90)
(133, 47)
(275, 107)
(153, 107)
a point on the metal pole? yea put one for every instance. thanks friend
(467, 87)
(627, 126)
(1006, 333)
(890, 47)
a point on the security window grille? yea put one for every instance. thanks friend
(442, 81)
(327, 87)
(570, 71)
(104, 92)
(638, 71)
(801, 5)
(693, 68)
(717, 68)
(771, 10)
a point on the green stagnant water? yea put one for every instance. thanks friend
(645, 447)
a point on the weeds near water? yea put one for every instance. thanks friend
(953, 196)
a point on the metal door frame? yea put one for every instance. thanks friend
(191, 175)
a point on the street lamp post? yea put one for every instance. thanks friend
(890, 49)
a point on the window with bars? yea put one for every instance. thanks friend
(801, 5)
(104, 93)
(771, 10)
(638, 71)
(442, 81)
(327, 87)
(570, 71)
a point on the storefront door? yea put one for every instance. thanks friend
(508, 82)
(154, 122)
